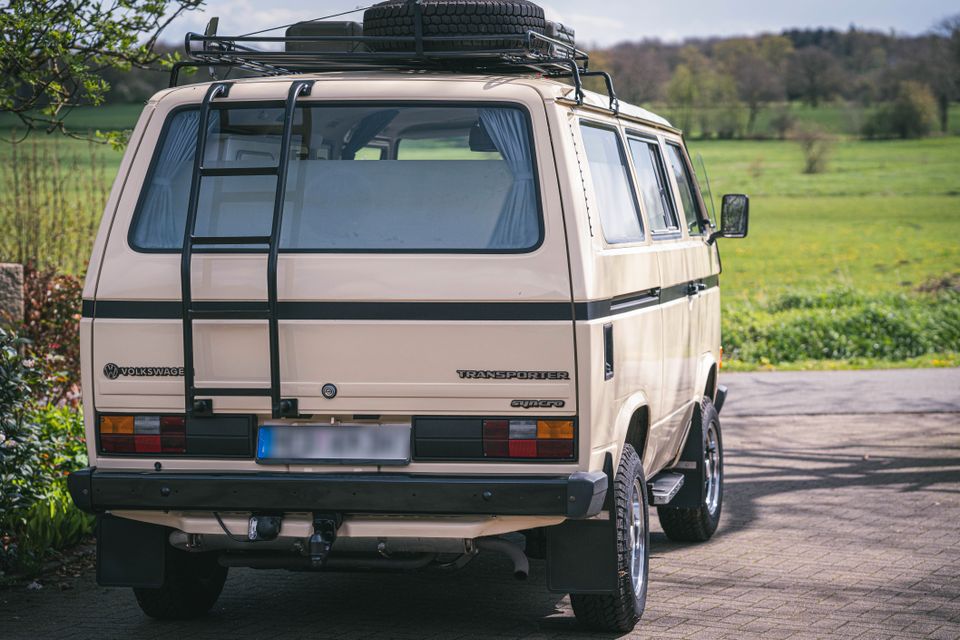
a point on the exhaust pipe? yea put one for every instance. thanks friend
(521, 566)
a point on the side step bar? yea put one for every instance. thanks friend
(664, 487)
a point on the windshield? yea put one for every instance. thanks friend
(360, 178)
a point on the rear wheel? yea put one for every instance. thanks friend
(621, 611)
(191, 586)
(698, 524)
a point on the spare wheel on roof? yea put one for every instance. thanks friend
(461, 18)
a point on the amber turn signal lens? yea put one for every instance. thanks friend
(555, 429)
(116, 424)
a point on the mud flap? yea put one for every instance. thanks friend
(582, 554)
(691, 466)
(130, 553)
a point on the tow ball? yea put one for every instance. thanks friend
(325, 527)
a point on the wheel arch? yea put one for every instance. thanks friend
(633, 426)
(707, 377)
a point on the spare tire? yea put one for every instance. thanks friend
(444, 18)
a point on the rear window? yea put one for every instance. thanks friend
(360, 178)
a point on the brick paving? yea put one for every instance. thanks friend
(833, 527)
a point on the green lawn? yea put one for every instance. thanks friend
(884, 216)
(111, 117)
(882, 220)
(837, 118)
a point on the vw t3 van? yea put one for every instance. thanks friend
(396, 304)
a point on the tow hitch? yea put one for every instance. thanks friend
(325, 527)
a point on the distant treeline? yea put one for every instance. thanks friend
(747, 86)
(720, 86)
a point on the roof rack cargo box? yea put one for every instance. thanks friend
(313, 29)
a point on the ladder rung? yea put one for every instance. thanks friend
(229, 314)
(214, 172)
(232, 391)
(222, 240)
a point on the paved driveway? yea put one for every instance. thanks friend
(834, 527)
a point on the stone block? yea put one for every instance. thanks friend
(11, 294)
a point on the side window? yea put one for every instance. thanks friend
(688, 188)
(612, 187)
(654, 189)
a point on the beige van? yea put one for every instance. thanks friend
(377, 314)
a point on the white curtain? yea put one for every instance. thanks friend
(164, 210)
(518, 225)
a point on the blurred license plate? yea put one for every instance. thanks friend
(344, 444)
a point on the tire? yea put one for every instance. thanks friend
(510, 19)
(620, 611)
(698, 524)
(191, 586)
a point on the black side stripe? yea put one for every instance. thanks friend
(424, 311)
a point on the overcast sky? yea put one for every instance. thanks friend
(609, 21)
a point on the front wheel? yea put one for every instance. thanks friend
(621, 610)
(698, 524)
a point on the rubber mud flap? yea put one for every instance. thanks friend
(130, 553)
(582, 554)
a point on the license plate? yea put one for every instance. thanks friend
(341, 444)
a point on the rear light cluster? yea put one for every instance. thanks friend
(143, 434)
(531, 439)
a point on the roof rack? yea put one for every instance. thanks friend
(260, 55)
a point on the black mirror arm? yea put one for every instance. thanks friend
(713, 237)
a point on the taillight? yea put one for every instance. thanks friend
(143, 434)
(529, 439)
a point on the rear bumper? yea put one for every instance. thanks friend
(579, 495)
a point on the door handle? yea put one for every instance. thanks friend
(693, 288)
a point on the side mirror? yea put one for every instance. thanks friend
(734, 216)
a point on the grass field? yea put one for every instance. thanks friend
(884, 217)
(835, 273)
(840, 268)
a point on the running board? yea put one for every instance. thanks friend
(664, 487)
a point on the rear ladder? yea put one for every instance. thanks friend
(280, 408)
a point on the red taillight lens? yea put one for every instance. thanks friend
(555, 449)
(529, 439)
(143, 434)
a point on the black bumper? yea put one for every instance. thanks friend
(579, 495)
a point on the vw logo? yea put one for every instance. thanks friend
(329, 391)
(111, 370)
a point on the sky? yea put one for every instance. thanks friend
(606, 22)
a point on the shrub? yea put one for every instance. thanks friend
(39, 445)
(911, 114)
(816, 146)
(783, 121)
(842, 325)
(52, 304)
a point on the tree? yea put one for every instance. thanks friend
(640, 70)
(813, 75)
(912, 114)
(757, 79)
(945, 60)
(53, 53)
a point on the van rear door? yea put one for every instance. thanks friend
(422, 269)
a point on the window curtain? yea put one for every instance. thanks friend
(164, 207)
(366, 131)
(517, 225)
